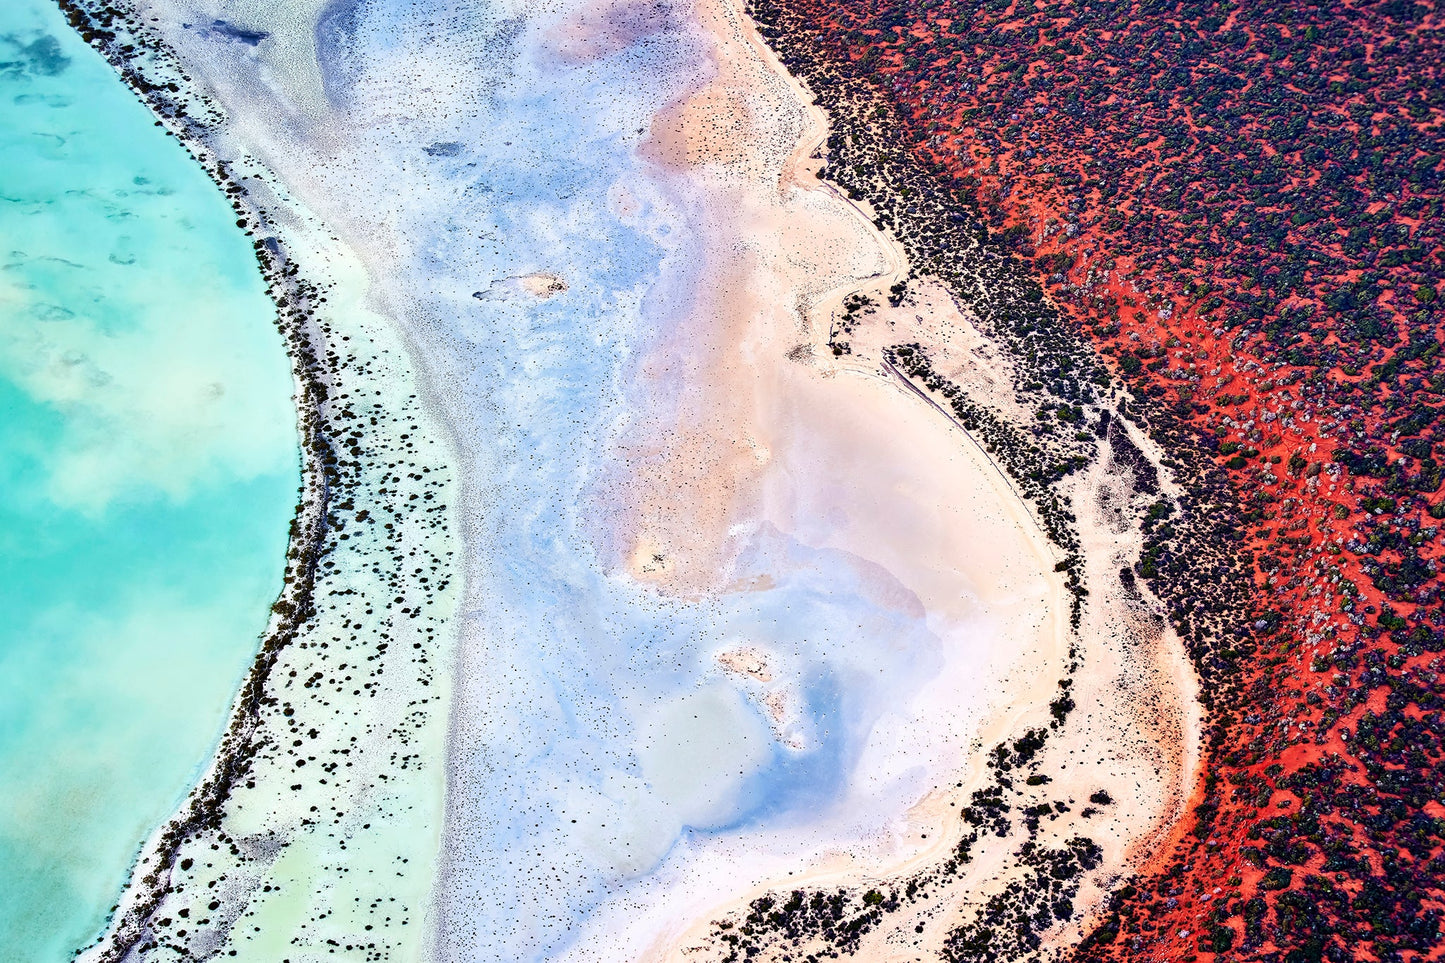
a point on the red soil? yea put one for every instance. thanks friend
(1242, 209)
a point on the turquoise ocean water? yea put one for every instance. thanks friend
(148, 469)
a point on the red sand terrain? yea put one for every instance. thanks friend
(1242, 209)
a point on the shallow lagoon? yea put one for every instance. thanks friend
(148, 463)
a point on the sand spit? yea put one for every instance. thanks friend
(540, 285)
(338, 726)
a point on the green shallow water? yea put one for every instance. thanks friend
(148, 470)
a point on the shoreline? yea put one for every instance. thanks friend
(171, 878)
(292, 299)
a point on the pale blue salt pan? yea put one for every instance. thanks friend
(593, 731)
